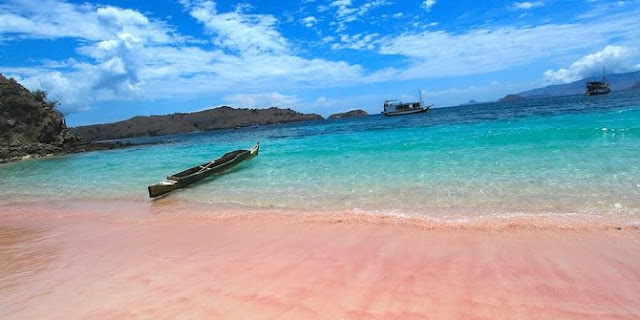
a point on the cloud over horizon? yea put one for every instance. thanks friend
(615, 59)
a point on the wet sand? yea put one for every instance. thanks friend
(139, 261)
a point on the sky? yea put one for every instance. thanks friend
(111, 60)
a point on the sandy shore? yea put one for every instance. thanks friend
(106, 260)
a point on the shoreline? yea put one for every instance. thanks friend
(36, 207)
(14, 153)
(134, 259)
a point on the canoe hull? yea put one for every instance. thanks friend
(159, 189)
(197, 173)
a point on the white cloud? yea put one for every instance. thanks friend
(427, 4)
(346, 12)
(37, 19)
(245, 33)
(357, 42)
(59, 19)
(128, 56)
(117, 73)
(614, 58)
(112, 37)
(344, 8)
(363, 9)
(528, 5)
(328, 39)
(309, 21)
(114, 75)
(443, 54)
(262, 100)
(58, 87)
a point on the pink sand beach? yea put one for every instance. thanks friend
(170, 259)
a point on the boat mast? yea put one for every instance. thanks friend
(420, 95)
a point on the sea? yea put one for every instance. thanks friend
(573, 157)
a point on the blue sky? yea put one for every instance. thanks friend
(112, 60)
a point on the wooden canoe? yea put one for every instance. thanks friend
(199, 172)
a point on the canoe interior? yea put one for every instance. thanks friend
(208, 165)
(193, 174)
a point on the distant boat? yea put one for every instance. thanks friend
(598, 87)
(396, 107)
(191, 175)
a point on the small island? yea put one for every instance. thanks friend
(349, 114)
(469, 103)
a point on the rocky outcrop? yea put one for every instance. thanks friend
(511, 98)
(29, 123)
(27, 117)
(349, 114)
(213, 119)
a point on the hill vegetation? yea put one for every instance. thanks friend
(27, 117)
(30, 124)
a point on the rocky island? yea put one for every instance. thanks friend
(349, 114)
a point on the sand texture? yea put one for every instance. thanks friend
(141, 265)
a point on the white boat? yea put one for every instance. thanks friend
(397, 107)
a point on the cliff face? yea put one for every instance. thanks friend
(27, 117)
(218, 118)
(349, 114)
(29, 123)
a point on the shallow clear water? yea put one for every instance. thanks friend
(570, 155)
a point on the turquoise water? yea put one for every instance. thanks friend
(571, 156)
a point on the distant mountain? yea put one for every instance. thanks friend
(511, 98)
(619, 81)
